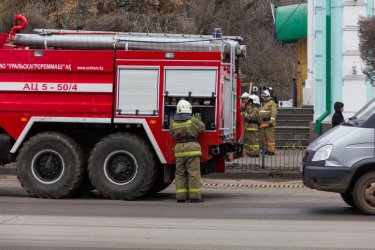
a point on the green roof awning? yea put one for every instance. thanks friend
(291, 22)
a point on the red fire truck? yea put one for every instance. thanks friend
(82, 105)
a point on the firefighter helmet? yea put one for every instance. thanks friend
(184, 106)
(245, 95)
(255, 99)
(255, 89)
(265, 93)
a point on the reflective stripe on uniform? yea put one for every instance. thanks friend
(194, 190)
(188, 153)
(251, 147)
(264, 125)
(264, 111)
(190, 190)
(182, 190)
(187, 123)
(251, 129)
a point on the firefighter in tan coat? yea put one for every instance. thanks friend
(250, 114)
(267, 113)
(185, 130)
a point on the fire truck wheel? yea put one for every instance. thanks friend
(122, 166)
(50, 165)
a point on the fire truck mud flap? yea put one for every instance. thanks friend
(231, 151)
(122, 166)
(50, 165)
(4, 148)
(164, 178)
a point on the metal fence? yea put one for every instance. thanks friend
(287, 158)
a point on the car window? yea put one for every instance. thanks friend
(366, 111)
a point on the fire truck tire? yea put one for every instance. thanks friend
(122, 166)
(50, 165)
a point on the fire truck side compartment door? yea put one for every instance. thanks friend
(198, 81)
(229, 107)
(137, 92)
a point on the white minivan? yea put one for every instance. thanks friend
(343, 160)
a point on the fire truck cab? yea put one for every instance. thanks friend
(79, 105)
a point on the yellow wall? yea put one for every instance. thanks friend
(301, 69)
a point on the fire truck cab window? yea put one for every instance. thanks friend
(137, 91)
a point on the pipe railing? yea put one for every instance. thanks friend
(18, 18)
(327, 112)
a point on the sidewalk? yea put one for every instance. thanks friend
(251, 183)
(257, 174)
(256, 178)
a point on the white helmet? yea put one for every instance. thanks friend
(245, 95)
(265, 93)
(184, 107)
(255, 89)
(255, 99)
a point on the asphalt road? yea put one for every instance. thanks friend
(230, 218)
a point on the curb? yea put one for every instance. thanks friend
(269, 185)
(257, 179)
(259, 174)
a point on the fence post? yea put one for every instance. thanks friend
(263, 155)
(294, 92)
(294, 87)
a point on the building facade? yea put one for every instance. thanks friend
(348, 83)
